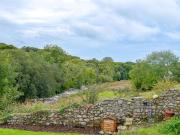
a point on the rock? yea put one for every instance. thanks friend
(83, 123)
(121, 128)
(155, 96)
(101, 132)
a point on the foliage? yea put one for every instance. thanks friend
(164, 85)
(91, 96)
(165, 63)
(109, 90)
(40, 73)
(106, 72)
(173, 126)
(77, 74)
(8, 93)
(34, 76)
(162, 58)
(107, 59)
(8, 98)
(175, 71)
(143, 76)
(157, 66)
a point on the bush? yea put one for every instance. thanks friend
(91, 96)
(164, 85)
(172, 127)
(143, 76)
(8, 98)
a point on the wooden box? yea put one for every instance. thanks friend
(109, 125)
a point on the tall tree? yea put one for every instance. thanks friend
(164, 63)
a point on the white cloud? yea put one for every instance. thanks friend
(131, 28)
(102, 19)
(160, 11)
(48, 11)
(173, 35)
(49, 31)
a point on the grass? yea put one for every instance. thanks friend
(22, 132)
(105, 91)
(164, 128)
(106, 95)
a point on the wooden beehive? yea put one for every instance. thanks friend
(109, 124)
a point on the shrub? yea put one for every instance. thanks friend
(8, 98)
(164, 85)
(172, 127)
(143, 76)
(91, 96)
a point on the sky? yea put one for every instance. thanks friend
(125, 30)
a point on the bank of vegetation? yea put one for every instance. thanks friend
(29, 73)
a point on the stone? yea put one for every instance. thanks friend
(119, 108)
(101, 132)
(155, 96)
(121, 128)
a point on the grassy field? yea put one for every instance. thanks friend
(21, 132)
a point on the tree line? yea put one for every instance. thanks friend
(30, 72)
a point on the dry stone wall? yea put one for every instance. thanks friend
(140, 109)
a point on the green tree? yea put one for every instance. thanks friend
(164, 63)
(106, 71)
(143, 76)
(76, 74)
(35, 77)
(107, 59)
(176, 71)
(8, 93)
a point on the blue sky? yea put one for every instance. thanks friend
(125, 30)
